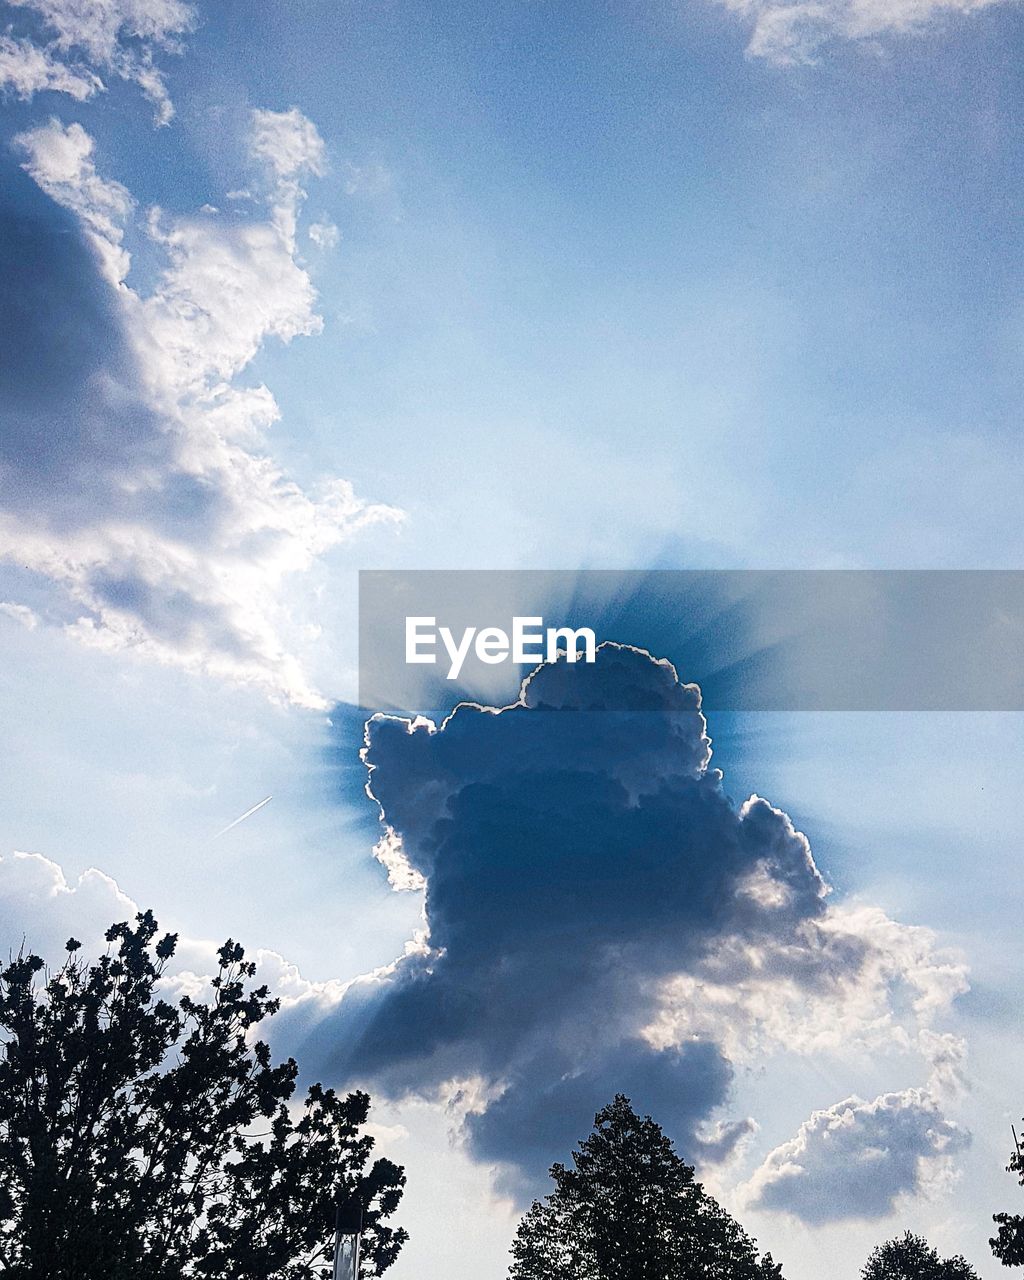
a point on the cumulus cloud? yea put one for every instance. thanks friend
(857, 1159)
(600, 916)
(41, 910)
(70, 45)
(156, 509)
(791, 32)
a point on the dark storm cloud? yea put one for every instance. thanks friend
(542, 1113)
(575, 855)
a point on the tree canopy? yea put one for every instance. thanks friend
(1008, 1243)
(142, 1136)
(911, 1257)
(630, 1209)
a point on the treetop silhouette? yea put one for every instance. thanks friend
(144, 1137)
(630, 1208)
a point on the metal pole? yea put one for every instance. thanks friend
(348, 1227)
(346, 1258)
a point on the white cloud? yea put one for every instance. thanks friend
(227, 289)
(290, 148)
(60, 160)
(287, 143)
(852, 981)
(790, 32)
(830, 985)
(41, 909)
(99, 26)
(26, 69)
(185, 548)
(20, 613)
(77, 39)
(402, 875)
(324, 234)
(858, 1159)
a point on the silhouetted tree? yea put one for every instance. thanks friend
(910, 1257)
(630, 1209)
(1008, 1245)
(143, 1137)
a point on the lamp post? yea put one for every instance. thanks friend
(348, 1228)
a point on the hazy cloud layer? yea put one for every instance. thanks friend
(136, 478)
(69, 46)
(601, 916)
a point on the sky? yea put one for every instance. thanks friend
(297, 289)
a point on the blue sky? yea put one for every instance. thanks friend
(298, 289)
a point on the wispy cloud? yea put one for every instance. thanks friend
(26, 69)
(792, 32)
(69, 46)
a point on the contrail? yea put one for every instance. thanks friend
(248, 814)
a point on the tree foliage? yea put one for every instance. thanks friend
(910, 1257)
(141, 1137)
(630, 1209)
(1008, 1244)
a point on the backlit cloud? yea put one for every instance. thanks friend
(601, 917)
(156, 510)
